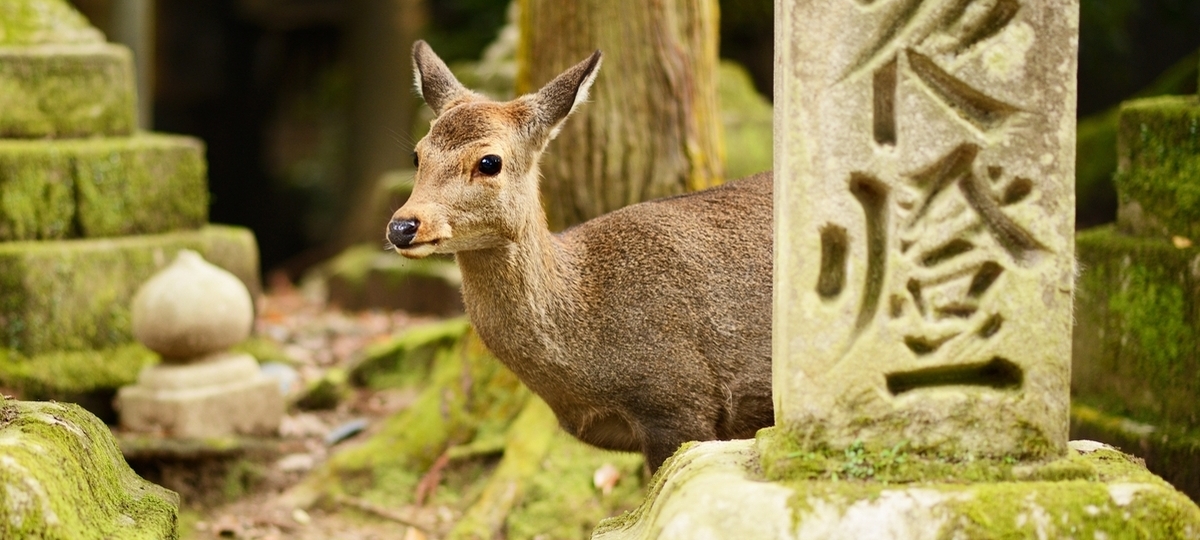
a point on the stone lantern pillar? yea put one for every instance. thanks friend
(190, 314)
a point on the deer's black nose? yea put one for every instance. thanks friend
(401, 231)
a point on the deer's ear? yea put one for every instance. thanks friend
(556, 100)
(436, 84)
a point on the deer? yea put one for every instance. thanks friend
(642, 329)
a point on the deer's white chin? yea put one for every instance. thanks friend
(418, 251)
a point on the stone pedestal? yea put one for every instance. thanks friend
(1136, 352)
(226, 395)
(190, 313)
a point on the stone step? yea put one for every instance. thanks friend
(89, 188)
(76, 294)
(59, 91)
(1137, 311)
(40, 22)
(1158, 167)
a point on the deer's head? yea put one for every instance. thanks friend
(476, 183)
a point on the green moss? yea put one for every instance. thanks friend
(1159, 165)
(66, 479)
(325, 392)
(562, 501)
(264, 350)
(63, 375)
(367, 277)
(35, 22)
(66, 91)
(1170, 451)
(75, 295)
(406, 360)
(1135, 345)
(101, 187)
(469, 394)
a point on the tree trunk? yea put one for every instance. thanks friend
(652, 127)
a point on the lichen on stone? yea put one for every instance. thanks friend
(65, 479)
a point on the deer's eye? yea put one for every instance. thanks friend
(489, 165)
(416, 162)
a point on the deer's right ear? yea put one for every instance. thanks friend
(436, 84)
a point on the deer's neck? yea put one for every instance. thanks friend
(516, 295)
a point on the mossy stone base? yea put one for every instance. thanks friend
(1169, 451)
(366, 277)
(64, 478)
(91, 188)
(66, 91)
(1136, 320)
(39, 22)
(717, 490)
(76, 294)
(87, 378)
(1158, 167)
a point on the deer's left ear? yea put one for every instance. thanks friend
(555, 101)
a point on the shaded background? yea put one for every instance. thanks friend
(304, 103)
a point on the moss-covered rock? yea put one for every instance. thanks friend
(1158, 166)
(89, 378)
(1169, 451)
(76, 294)
(367, 277)
(90, 188)
(64, 478)
(1135, 347)
(66, 91)
(715, 490)
(40, 22)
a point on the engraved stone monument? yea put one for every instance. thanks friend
(924, 220)
(924, 198)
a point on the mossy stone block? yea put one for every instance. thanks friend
(76, 294)
(89, 378)
(366, 277)
(1158, 166)
(715, 490)
(1135, 341)
(66, 91)
(90, 188)
(65, 478)
(38, 22)
(1169, 451)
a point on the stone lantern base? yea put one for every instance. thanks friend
(220, 396)
(718, 490)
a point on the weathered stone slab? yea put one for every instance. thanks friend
(1158, 167)
(66, 91)
(90, 188)
(76, 294)
(64, 479)
(40, 22)
(924, 224)
(714, 490)
(222, 396)
(1137, 310)
(1171, 452)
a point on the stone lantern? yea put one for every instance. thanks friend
(191, 313)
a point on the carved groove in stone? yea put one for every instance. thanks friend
(914, 288)
(1001, 13)
(998, 373)
(946, 251)
(921, 345)
(884, 93)
(937, 177)
(991, 326)
(1017, 190)
(898, 21)
(984, 278)
(981, 110)
(872, 195)
(834, 245)
(1015, 240)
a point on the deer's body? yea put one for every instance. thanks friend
(642, 329)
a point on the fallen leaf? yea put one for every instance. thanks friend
(1181, 242)
(605, 478)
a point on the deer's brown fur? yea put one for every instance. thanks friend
(643, 328)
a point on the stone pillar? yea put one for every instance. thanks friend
(924, 212)
(190, 314)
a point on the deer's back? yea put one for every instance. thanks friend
(677, 301)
